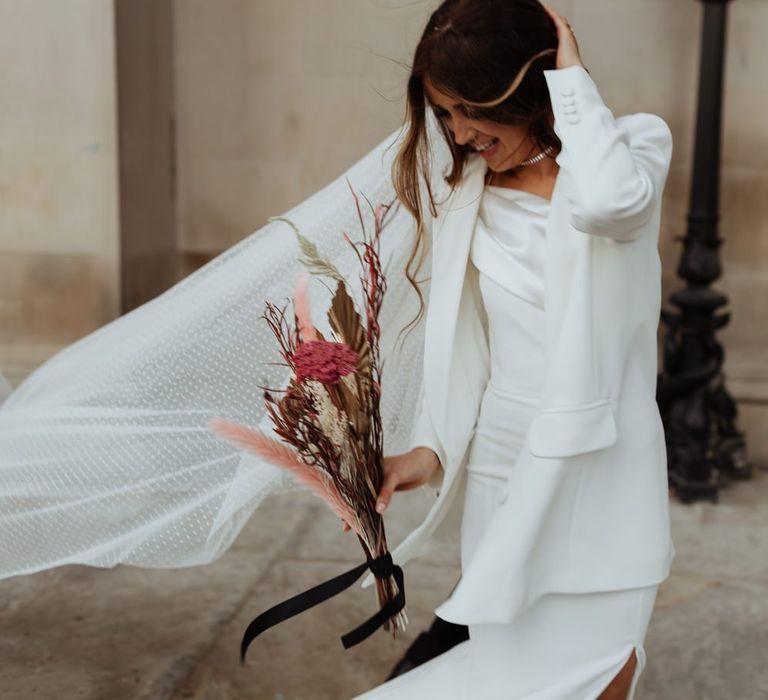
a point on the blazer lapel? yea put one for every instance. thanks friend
(453, 325)
(575, 413)
(570, 420)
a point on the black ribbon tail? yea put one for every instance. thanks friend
(381, 568)
(389, 609)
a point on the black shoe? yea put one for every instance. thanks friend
(440, 637)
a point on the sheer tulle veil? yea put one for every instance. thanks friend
(105, 454)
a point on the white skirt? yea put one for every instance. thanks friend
(565, 646)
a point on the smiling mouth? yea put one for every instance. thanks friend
(486, 146)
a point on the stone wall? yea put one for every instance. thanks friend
(274, 98)
(58, 177)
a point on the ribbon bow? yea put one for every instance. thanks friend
(381, 567)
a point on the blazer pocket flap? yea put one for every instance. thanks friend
(572, 430)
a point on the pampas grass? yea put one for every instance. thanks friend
(282, 456)
(306, 328)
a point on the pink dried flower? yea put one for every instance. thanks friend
(301, 305)
(324, 361)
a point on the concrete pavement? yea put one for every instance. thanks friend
(137, 634)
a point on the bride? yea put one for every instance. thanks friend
(538, 416)
(530, 379)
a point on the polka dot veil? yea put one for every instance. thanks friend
(105, 454)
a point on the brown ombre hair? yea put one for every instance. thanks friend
(489, 55)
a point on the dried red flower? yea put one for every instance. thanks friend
(324, 361)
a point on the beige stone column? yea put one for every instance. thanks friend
(58, 177)
(147, 153)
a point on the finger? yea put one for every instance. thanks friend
(408, 485)
(552, 13)
(549, 10)
(388, 487)
(560, 22)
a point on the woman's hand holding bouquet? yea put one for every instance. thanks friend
(404, 472)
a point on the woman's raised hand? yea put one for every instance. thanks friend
(568, 49)
(404, 472)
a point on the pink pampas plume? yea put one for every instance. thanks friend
(277, 453)
(301, 309)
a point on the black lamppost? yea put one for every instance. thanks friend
(704, 447)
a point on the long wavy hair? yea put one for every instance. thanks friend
(489, 55)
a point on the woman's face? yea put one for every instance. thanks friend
(511, 144)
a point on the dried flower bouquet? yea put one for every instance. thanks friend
(328, 418)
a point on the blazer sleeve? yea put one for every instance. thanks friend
(617, 177)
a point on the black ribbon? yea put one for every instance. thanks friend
(381, 568)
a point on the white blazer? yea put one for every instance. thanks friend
(587, 506)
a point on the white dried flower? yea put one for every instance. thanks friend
(331, 420)
(350, 382)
